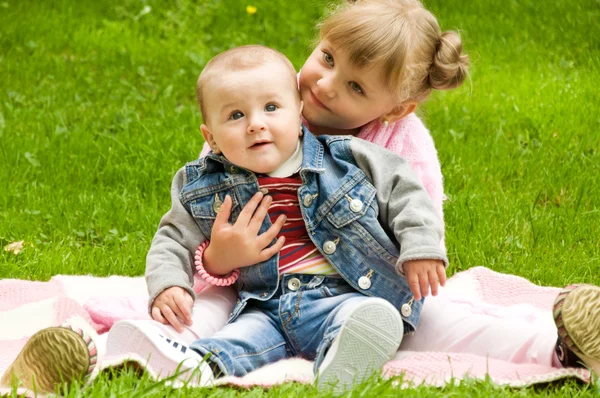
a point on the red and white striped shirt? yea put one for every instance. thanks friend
(298, 255)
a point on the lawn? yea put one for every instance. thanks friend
(97, 112)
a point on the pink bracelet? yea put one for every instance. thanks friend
(225, 280)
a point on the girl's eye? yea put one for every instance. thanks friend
(328, 58)
(271, 108)
(356, 88)
(236, 115)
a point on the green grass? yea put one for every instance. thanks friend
(97, 112)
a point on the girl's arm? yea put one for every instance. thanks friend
(410, 139)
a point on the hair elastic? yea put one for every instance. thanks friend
(225, 280)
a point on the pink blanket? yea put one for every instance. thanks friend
(27, 306)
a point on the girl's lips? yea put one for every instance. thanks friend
(317, 101)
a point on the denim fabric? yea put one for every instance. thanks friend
(331, 180)
(290, 324)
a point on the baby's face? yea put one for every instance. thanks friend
(253, 116)
(338, 95)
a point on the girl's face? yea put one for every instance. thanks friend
(338, 95)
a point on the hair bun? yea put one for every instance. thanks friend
(450, 66)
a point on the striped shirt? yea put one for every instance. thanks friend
(298, 255)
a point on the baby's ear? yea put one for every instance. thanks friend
(208, 137)
(399, 112)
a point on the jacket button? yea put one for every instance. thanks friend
(265, 294)
(405, 310)
(233, 169)
(307, 200)
(364, 282)
(329, 247)
(294, 284)
(356, 205)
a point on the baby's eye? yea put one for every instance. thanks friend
(328, 58)
(271, 108)
(236, 115)
(356, 87)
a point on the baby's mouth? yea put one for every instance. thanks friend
(258, 145)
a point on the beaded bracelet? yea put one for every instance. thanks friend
(225, 280)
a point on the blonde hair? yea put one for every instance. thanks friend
(237, 59)
(404, 40)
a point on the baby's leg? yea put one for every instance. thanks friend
(519, 334)
(250, 342)
(361, 335)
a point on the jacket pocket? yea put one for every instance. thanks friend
(204, 208)
(350, 203)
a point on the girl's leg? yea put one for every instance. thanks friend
(210, 313)
(519, 334)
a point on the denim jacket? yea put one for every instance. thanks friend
(354, 196)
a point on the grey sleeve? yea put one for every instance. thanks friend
(170, 259)
(405, 207)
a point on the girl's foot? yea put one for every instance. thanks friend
(366, 341)
(52, 356)
(577, 318)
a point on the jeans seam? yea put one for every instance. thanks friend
(249, 354)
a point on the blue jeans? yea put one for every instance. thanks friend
(293, 323)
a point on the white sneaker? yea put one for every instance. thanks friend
(367, 340)
(163, 357)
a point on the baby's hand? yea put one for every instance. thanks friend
(172, 306)
(422, 274)
(239, 245)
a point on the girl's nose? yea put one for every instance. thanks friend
(326, 86)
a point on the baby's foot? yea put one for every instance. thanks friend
(52, 356)
(577, 318)
(366, 341)
(145, 343)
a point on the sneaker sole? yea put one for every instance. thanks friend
(126, 338)
(50, 356)
(368, 339)
(579, 316)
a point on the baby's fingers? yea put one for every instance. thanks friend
(259, 215)
(271, 251)
(413, 282)
(248, 210)
(267, 237)
(184, 309)
(168, 313)
(157, 316)
(424, 283)
(441, 273)
(223, 213)
(433, 282)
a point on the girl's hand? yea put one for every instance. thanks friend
(173, 306)
(423, 274)
(239, 245)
